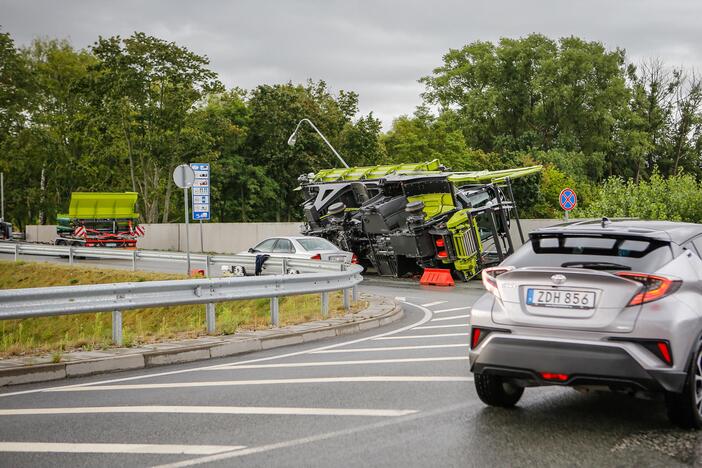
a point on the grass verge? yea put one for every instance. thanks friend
(93, 331)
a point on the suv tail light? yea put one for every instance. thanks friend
(490, 275)
(354, 259)
(654, 287)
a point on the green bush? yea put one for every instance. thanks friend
(677, 198)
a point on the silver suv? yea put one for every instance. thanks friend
(599, 305)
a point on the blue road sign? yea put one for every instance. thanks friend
(201, 191)
(568, 199)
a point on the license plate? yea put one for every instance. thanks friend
(560, 298)
(111, 244)
(337, 258)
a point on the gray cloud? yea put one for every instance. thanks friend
(378, 49)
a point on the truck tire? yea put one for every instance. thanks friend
(493, 390)
(684, 410)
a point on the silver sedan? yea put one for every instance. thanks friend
(299, 247)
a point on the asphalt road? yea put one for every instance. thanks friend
(396, 396)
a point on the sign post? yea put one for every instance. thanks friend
(201, 196)
(183, 176)
(568, 200)
(2, 196)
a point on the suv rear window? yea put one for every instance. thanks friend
(594, 252)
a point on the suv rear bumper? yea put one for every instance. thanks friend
(584, 364)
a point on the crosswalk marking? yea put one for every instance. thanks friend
(340, 363)
(267, 410)
(161, 449)
(455, 309)
(232, 383)
(427, 327)
(410, 337)
(443, 319)
(434, 303)
(390, 348)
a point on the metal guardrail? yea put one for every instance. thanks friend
(273, 265)
(315, 277)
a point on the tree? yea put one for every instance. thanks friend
(533, 93)
(144, 88)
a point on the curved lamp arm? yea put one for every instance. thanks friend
(293, 138)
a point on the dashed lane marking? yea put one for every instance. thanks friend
(391, 348)
(342, 363)
(236, 383)
(410, 337)
(267, 410)
(427, 327)
(455, 309)
(434, 303)
(161, 449)
(443, 319)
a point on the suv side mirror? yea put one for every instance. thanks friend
(252, 250)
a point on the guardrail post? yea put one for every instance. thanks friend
(347, 305)
(284, 266)
(117, 327)
(325, 304)
(275, 321)
(134, 259)
(354, 294)
(210, 317)
(17, 249)
(207, 270)
(70, 255)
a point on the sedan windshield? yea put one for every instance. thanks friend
(316, 244)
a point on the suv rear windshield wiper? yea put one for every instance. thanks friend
(596, 265)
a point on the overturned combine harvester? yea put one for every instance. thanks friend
(403, 218)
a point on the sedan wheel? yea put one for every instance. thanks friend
(238, 270)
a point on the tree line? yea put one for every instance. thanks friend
(121, 114)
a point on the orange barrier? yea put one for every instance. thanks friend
(197, 273)
(437, 277)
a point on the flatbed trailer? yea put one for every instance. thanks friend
(100, 219)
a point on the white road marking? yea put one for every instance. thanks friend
(236, 383)
(434, 303)
(400, 298)
(451, 310)
(426, 318)
(267, 410)
(342, 363)
(462, 325)
(391, 348)
(364, 429)
(161, 449)
(443, 319)
(410, 337)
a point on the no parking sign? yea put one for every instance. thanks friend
(568, 200)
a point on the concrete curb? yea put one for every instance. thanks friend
(380, 311)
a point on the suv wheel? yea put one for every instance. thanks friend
(496, 391)
(685, 409)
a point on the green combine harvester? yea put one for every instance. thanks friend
(100, 219)
(401, 219)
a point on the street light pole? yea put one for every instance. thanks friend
(293, 138)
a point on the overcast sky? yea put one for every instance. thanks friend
(376, 48)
